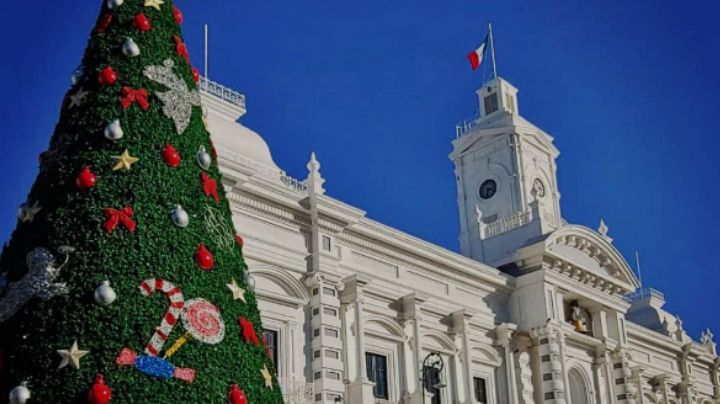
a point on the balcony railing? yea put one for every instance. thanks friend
(507, 223)
(463, 127)
(643, 293)
(222, 92)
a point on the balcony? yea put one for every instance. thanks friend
(222, 92)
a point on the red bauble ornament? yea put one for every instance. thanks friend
(239, 240)
(86, 179)
(236, 395)
(196, 74)
(107, 76)
(99, 393)
(181, 49)
(142, 23)
(204, 258)
(171, 156)
(104, 22)
(177, 15)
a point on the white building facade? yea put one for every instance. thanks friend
(533, 310)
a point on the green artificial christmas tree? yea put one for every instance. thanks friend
(125, 280)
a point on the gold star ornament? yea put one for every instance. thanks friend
(71, 356)
(124, 161)
(77, 98)
(267, 376)
(237, 292)
(154, 4)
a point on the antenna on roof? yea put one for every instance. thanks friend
(205, 52)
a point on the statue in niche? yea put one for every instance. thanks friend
(577, 319)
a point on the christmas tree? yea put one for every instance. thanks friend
(124, 276)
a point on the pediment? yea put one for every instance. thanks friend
(584, 254)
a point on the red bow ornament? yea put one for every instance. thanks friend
(115, 217)
(249, 331)
(131, 95)
(209, 186)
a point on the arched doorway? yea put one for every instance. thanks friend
(579, 389)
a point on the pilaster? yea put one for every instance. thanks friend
(552, 371)
(503, 338)
(359, 387)
(411, 313)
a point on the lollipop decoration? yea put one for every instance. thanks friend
(201, 320)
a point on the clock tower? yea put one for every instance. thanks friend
(506, 177)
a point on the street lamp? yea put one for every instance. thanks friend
(433, 361)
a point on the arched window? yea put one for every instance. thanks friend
(579, 389)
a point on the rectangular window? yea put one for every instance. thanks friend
(377, 372)
(432, 378)
(329, 332)
(270, 338)
(328, 291)
(332, 354)
(329, 311)
(480, 389)
(491, 103)
(326, 243)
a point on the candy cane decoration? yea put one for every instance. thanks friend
(177, 302)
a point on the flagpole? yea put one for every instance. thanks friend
(492, 50)
(205, 71)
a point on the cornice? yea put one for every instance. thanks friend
(461, 277)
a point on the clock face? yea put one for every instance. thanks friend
(539, 188)
(488, 189)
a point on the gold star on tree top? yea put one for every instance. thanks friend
(124, 161)
(71, 356)
(154, 4)
(237, 292)
(267, 376)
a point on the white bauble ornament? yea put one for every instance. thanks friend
(203, 158)
(180, 217)
(130, 48)
(113, 4)
(250, 280)
(104, 294)
(114, 131)
(77, 75)
(19, 395)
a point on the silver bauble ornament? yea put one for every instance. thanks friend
(130, 48)
(113, 4)
(105, 294)
(180, 217)
(249, 280)
(114, 131)
(77, 75)
(19, 395)
(203, 158)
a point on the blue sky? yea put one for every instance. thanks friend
(629, 90)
